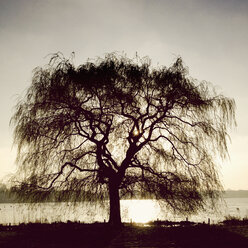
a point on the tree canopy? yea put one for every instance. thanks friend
(120, 126)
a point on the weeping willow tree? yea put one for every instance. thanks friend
(118, 127)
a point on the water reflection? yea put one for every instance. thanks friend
(131, 210)
(141, 211)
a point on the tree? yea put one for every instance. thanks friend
(117, 127)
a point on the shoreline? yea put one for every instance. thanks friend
(73, 234)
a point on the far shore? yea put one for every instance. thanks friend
(7, 197)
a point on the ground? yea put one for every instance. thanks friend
(75, 235)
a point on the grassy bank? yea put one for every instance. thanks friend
(102, 235)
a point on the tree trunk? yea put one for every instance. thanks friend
(114, 200)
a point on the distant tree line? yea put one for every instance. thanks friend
(10, 196)
(5, 195)
(236, 194)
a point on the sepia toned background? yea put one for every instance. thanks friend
(211, 36)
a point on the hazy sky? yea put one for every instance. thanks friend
(210, 35)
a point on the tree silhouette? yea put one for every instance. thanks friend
(118, 126)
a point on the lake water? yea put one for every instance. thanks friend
(131, 211)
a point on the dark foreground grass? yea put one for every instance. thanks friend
(102, 235)
(57, 235)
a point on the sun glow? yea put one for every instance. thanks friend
(135, 132)
(142, 211)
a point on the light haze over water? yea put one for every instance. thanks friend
(139, 211)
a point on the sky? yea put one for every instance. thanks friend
(211, 36)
